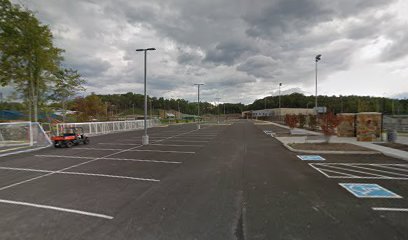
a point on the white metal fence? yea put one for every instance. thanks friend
(17, 137)
(96, 128)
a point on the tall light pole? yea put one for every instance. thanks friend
(218, 109)
(318, 58)
(280, 84)
(198, 102)
(145, 137)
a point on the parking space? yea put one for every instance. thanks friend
(97, 179)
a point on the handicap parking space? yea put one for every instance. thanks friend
(380, 182)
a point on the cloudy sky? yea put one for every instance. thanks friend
(240, 49)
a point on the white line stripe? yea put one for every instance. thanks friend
(76, 165)
(371, 169)
(56, 208)
(340, 173)
(136, 150)
(390, 209)
(126, 144)
(190, 141)
(351, 170)
(148, 150)
(80, 173)
(115, 159)
(175, 145)
(60, 156)
(392, 168)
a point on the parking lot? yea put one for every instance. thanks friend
(219, 182)
(88, 184)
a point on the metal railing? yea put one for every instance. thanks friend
(97, 128)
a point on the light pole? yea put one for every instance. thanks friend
(318, 58)
(145, 137)
(198, 102)
(280, 84)
(218, 109)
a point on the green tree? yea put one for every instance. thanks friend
(28, 59)
(68, 83)
(89, 108)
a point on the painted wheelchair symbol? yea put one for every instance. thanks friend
(368, 190)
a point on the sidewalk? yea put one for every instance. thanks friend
(391, 152)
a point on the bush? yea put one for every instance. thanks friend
(312, 122)
(302, 120)
(329, 123)
(291, 120)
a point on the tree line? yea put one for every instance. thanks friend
(335, 104)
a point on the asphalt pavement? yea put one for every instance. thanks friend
(219, 182)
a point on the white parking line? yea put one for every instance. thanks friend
(193, 141)
(135, 150)
(80, 173)
(76, 165)
(367, 170)
(56, 208)
(390, 209)
(162, 151)
(114, 159)
(175, 145)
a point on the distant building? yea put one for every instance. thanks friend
(282, 112)
(277, 112)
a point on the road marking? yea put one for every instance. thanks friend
(11, 149)
(149, 150)
(175, 145)
(135, 150)
(76, 165)
(56, 208)
(357, 171)
(390, 209)
(390, 172)
(80, 173)
(368, 190)
(310, 157)
(115, 159)
(125, 144)
(190, 141)
(61, 156)
(153, 144)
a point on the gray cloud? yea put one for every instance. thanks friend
(235, 47)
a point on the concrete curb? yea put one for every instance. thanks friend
(327, 152)
(330, 152)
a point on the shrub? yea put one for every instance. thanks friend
(329, 123)
(302, 120)
(312, 122)
(291, 120)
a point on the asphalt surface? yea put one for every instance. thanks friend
(219, 182)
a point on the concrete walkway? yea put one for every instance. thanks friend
(391, 152)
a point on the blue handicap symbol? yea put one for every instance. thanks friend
(311, 157)
(368, 190)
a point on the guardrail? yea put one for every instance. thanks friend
(97, 128)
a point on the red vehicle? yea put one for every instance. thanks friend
(71, 136)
